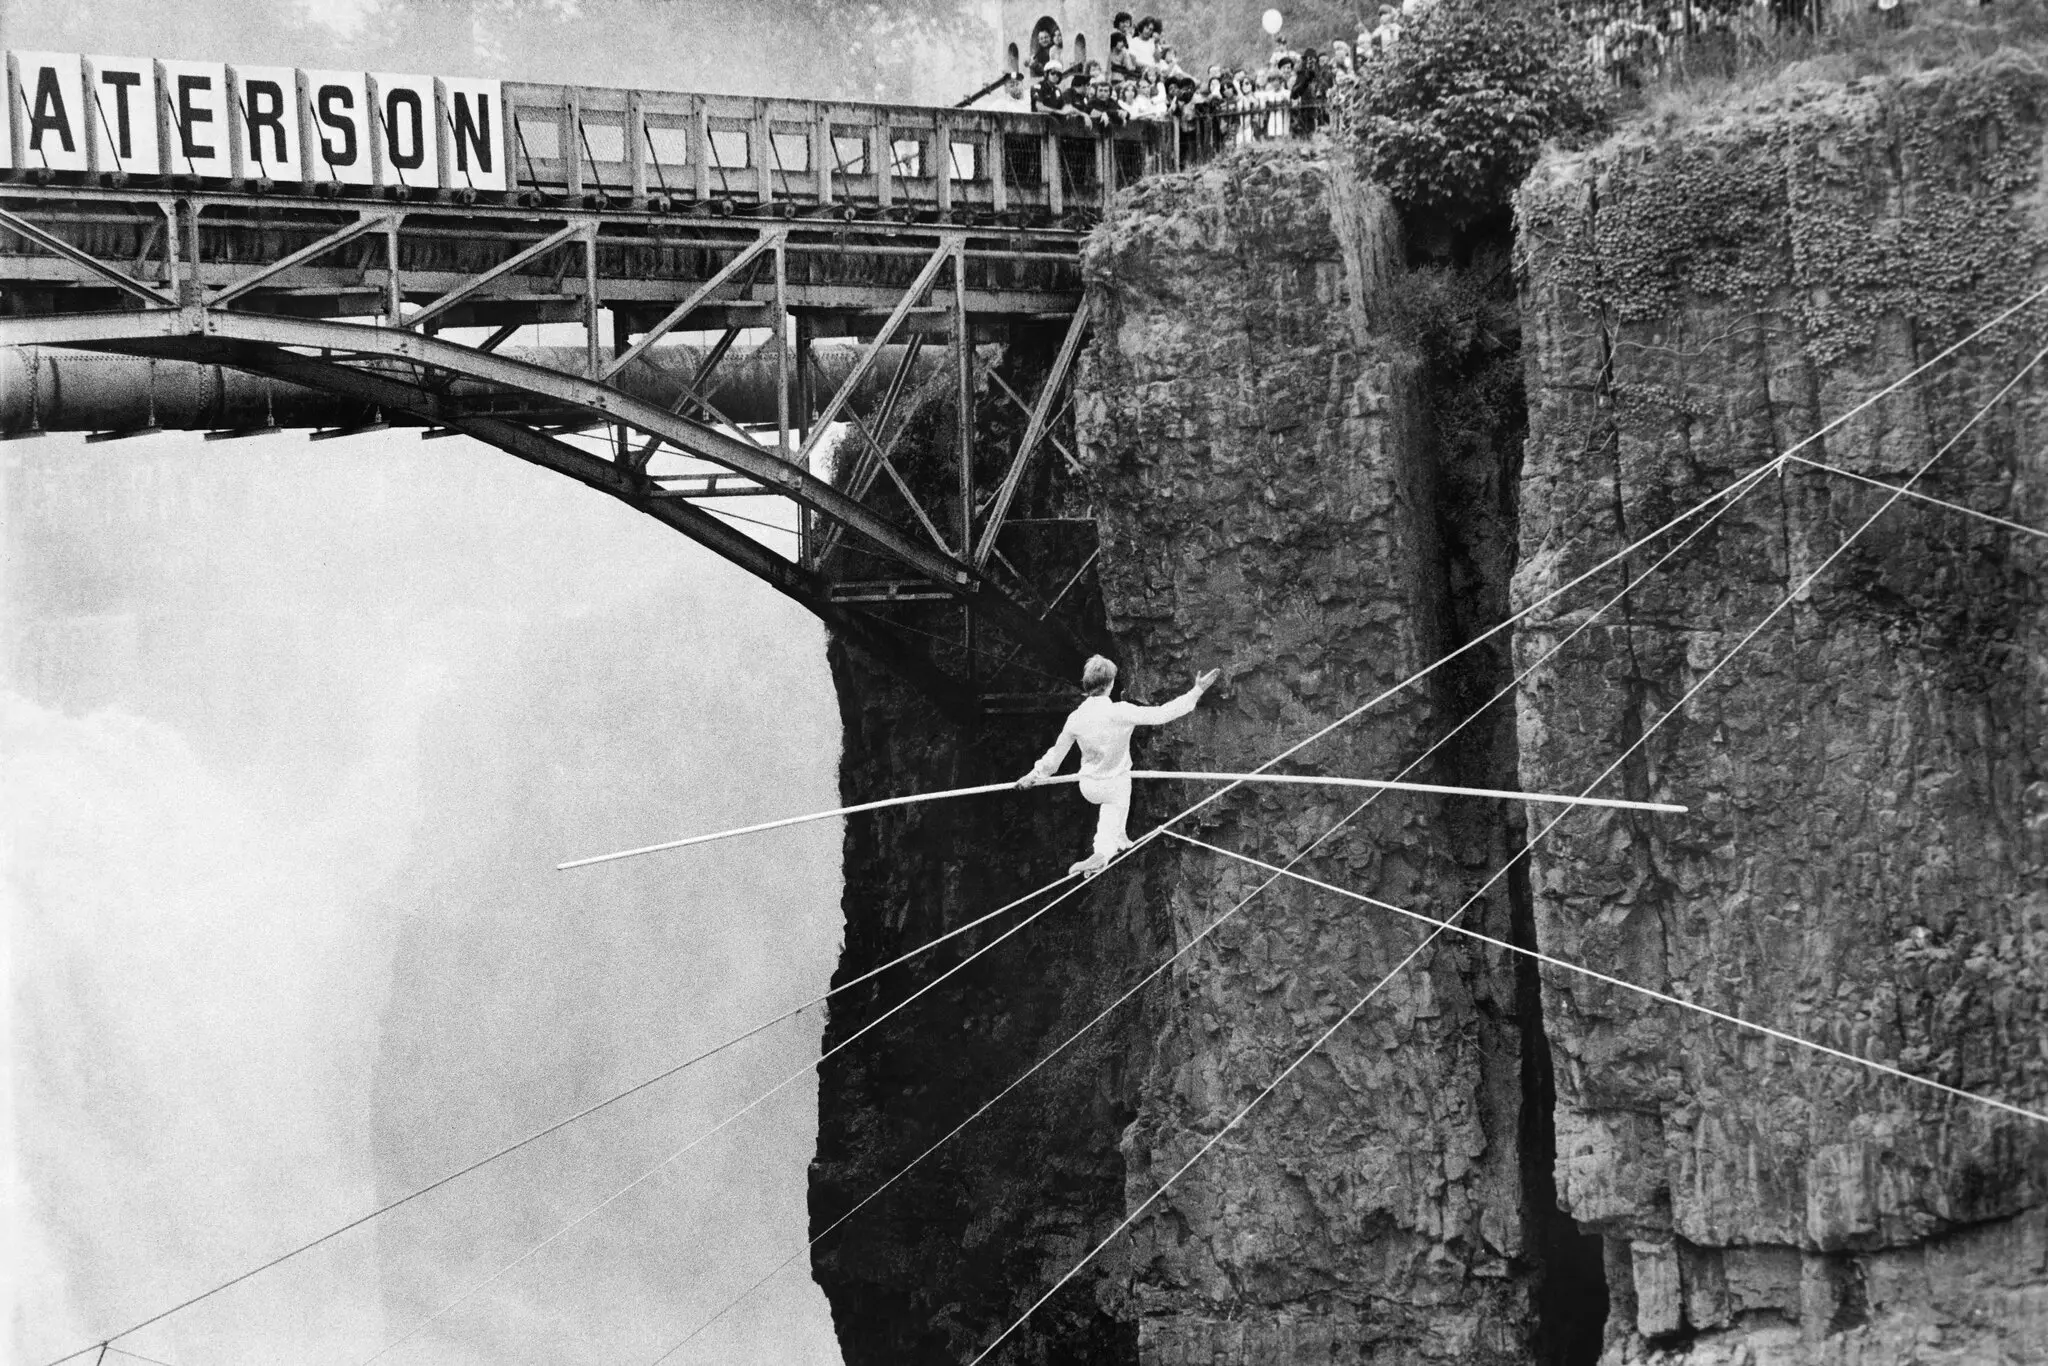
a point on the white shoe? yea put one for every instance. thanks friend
(1090, 866)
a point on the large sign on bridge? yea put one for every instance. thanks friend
(121, 116)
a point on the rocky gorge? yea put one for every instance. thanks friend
(1293, 479)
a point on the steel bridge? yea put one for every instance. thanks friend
(935, 253)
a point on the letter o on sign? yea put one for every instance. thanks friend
(405, 134)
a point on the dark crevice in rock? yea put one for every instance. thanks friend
(1571, 1301)
(1463, 314)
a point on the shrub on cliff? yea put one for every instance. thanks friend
(1451, 118)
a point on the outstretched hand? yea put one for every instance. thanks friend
(1202, 681)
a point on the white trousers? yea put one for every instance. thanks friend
(1112, 797)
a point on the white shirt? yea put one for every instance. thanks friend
(1102, 728)
(1145, 51)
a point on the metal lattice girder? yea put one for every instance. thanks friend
(499, 271)
(368, 223)
(693, 394)
(92, 265)
(1050, 439)
(946, 252)
(186, 330)
(1054, 378)
(691, 304)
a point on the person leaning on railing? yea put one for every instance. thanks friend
(1149, 100)
(1310, 89)
(1099, 102)
(1273, 99)
(1054, 92)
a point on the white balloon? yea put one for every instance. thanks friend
(1272, 21)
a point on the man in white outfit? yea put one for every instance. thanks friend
(1103, 729)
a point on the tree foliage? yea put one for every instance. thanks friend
(1453, 116)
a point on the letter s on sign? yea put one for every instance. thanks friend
(338, 112)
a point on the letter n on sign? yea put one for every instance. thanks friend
(474, 134)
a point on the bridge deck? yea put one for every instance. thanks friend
(645, 262)
(640, 216)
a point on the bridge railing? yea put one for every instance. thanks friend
(804, 158)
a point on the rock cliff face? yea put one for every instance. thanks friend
(1267, 495)
(1864, 865)
(1270, 507)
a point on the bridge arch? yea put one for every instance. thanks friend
(396, 369)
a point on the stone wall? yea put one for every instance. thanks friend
(1864, 861)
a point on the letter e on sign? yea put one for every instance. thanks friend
(473, 124)
(47, 102)
(338, 123)
(266, 120)
(405, 130)
(196, 124)
(121, 106)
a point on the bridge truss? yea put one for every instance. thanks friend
(929, 482)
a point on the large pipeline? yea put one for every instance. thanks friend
(52, 389)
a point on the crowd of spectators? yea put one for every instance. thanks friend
(1630, 42)
(1143, 78)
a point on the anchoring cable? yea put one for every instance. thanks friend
(809, 1069)
(1723, 1016)
(1733, 489)
(1396, 785)
(1506, 689)
(1449, 924)
(508, 1149)
(1923, 497)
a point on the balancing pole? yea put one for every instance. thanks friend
(1298, 779)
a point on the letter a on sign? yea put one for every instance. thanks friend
(46, 100)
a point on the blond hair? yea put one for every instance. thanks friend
(1097, 675)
